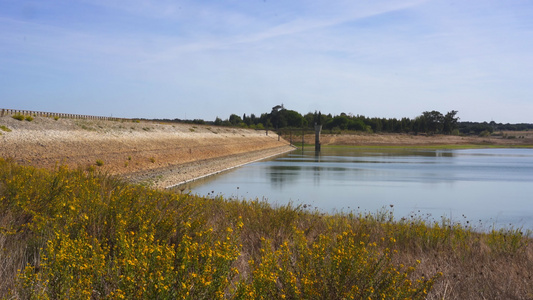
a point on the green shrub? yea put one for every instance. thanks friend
(94, 235)
(81, 235)
(485, 133)
(4, 128)
(99, 162)
(18, 117)
(29, 118)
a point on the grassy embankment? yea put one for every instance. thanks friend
(80, 235)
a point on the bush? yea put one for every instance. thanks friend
(83, 235)
(485, 133)
(92, 236)
(99, 162)
(4, 128)
(29, 118)
(18, 117)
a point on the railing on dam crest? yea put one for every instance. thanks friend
(11, 112)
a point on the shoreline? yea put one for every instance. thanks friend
(514, 139)
(180, 174)
(421, 146)
(166, 155)
(230, 168)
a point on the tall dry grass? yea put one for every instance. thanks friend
(77, 234)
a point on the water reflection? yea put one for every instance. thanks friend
(493, 185)
(280, 175)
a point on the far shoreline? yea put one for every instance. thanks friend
(410, 140)
(432, 147)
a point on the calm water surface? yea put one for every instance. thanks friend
(494, 186)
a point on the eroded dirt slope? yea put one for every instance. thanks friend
(127, 147)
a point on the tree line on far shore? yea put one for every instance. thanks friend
(429, 122)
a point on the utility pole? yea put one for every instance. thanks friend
(303, 135)
(318, 128)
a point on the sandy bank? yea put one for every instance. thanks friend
(522, 138)
(162, 154)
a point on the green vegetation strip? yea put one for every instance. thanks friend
(79, 234)
(430, 147)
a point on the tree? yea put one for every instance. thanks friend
(450, 122)
(247, 120)
(234, 119)
(357, 124)
(310, 119)
(406, 125)
(375, 124)
(265, 120)
(292, 118)
(434, 121)
(420, 124)
(339, 121)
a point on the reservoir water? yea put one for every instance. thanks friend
(490, 187)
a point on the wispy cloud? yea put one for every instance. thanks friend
(376, 58)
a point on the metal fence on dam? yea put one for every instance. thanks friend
(11, 112)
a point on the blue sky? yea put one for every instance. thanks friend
(203, 59)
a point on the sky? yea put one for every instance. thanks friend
(206, 59)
